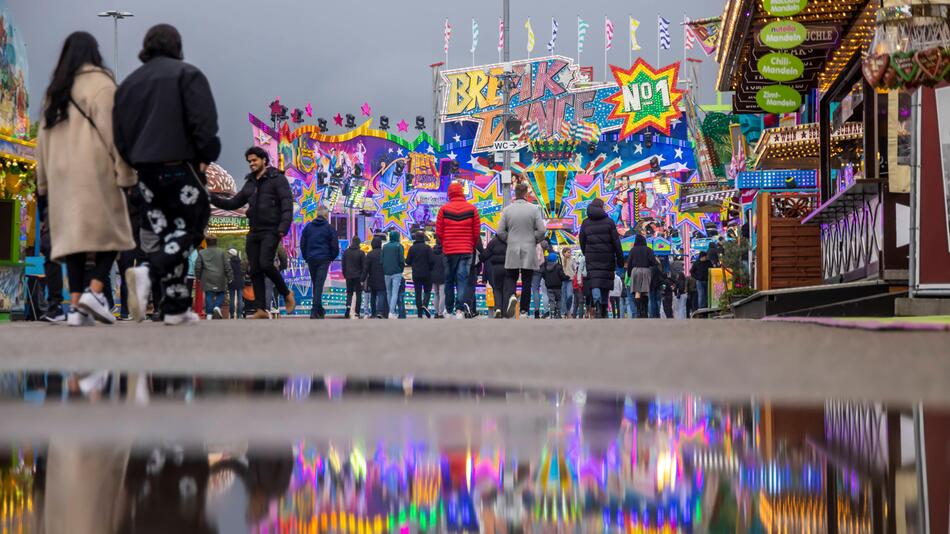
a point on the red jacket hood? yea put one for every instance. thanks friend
(456, 192)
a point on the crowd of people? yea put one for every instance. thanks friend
(121, 184)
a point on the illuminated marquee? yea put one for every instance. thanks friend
(548, 93)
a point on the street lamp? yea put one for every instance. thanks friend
(116, 17)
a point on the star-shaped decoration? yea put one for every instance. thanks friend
(489, 201)
(696, 221)
(310, 197)
(403, 126)
(675, 122)
(400, 152)
(617, 148)
(473, 161)
(660, 158)
(647, 97)
(338, 119)
(390, 150)
(395, 205)
(457, 138)
(575, 203)
(451, 155)
(262, 138)
(638, 149)
(430, 150)
(365, 109)
(309, 110)
(679, 153)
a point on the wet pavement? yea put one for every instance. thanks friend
(720, 359)
(174, 452)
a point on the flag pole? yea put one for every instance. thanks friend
(657, 64)
(605, 47)
(579, 40)
(446, 43)
(630, 39)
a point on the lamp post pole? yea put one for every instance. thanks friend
(116, 17)
(506, 14)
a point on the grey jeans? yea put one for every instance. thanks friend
(438, 294)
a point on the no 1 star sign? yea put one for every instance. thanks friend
(778, 99)
(780, 67)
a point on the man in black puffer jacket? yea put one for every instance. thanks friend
(354, 267)
(375, 280)
(494, 257)
(600, 243)
(422, 260)
(270, 209)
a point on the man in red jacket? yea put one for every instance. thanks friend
(458, 229)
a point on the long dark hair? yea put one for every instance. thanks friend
(80, 48)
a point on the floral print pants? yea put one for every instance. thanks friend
(177, 211)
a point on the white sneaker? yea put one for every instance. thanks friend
(139, 286)
(188, 317)
(459, 314)
(80, 318)
(393, 316)
(216, 313)
(96, 305)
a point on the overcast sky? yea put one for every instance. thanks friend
(339, 53)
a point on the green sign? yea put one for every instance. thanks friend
(780, 67)
(784, 8)
(782, 34)
(778, 99)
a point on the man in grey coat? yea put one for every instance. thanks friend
(522, 227)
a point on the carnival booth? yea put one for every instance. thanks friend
(572, 142)
(801, 63)
(17, 164)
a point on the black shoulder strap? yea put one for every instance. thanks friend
(94, 127)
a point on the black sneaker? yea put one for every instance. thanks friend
(428, 314)
(54, 316)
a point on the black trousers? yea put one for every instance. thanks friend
(423, 293)
(354, 288)
(261, 248)
(318, 277)
(511, 284)
(78, 275)
(176, 210)
(379, 307)
(498, 275)
(668, 303)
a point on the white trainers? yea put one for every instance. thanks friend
(80, 318)
(188, 317)
(459, 314)
(139, 286)
(216, 313)
(96, 305)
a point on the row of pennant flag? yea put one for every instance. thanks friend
(704, 32)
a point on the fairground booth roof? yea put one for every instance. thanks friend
(836, 31)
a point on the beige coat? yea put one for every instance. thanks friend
(87, 208)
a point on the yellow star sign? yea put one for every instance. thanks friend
(647, 97)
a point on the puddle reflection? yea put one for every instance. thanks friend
(605, 463)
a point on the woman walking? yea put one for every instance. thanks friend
(600, 244)
(639, 265)
(81, 173)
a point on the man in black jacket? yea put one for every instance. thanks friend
(422, 260)
(375, 280)
(700, 272)
(354, 266)
(166, 127)
(270, 209)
